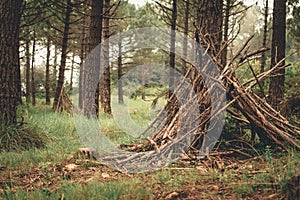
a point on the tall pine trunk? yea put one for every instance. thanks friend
(92, 65)
(186, 32)
(210, 21)
(61, 76)
(10, 14)
(120, 73)
(276, 87)
(33, 89)
(226, 32)
(105, 90)
(173, 106)
(47, 80)
(81, 70)
(264, 44)
(54, 71)
(172, 44)
(27, 78)
(72, 73)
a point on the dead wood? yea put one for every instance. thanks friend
(64, 103)
(270, 125)
(189, 122)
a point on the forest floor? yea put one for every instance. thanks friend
(86, 179)
(56, 172)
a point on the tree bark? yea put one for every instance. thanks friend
(27, 78)
(143, 95)
(33, 101)
(54, 72)
(120, 74)
(210, 21)
(92, 65)
(10, 15)
(72, 73)
(226, 31)
(172, 44)
(186, 32)
(276, 87)
(105, 90)
(264, 44)
(47, 81)
(61, 76)
(81, 70)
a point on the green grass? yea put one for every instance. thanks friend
(273, 169)
(273, 172)
(134, 188)
(60, 131)
(61, 134)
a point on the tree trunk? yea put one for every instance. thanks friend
(54, 72)
(226, 31)
(33, 102)
(210, 21)
(105, 90)
(173, 106)
(172, 44)
(18, 82)
(47, 81)
(276, 88)
(27, 78)
(81, 70)
(10, 14)
(92, 65)
(61, 76)
(186, 32)
(264, 44)
(72, 73)
(120, 74)
(143, 74)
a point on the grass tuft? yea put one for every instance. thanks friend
(19, 138)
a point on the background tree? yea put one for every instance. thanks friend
(265, 35)
(27, 67)
(105, 78)
(60, 81)
(293, 25)
(172, 44)
(47, 78)
(33, 86)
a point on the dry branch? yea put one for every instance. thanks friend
(272, 128)
(188, 125)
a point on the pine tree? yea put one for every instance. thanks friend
(276, 87)
(10, 90)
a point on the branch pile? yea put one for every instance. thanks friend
(189, 120)
(64, 103)
(269, 124)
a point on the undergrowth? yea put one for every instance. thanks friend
(21, 137)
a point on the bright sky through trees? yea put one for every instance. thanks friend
(247, 2)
